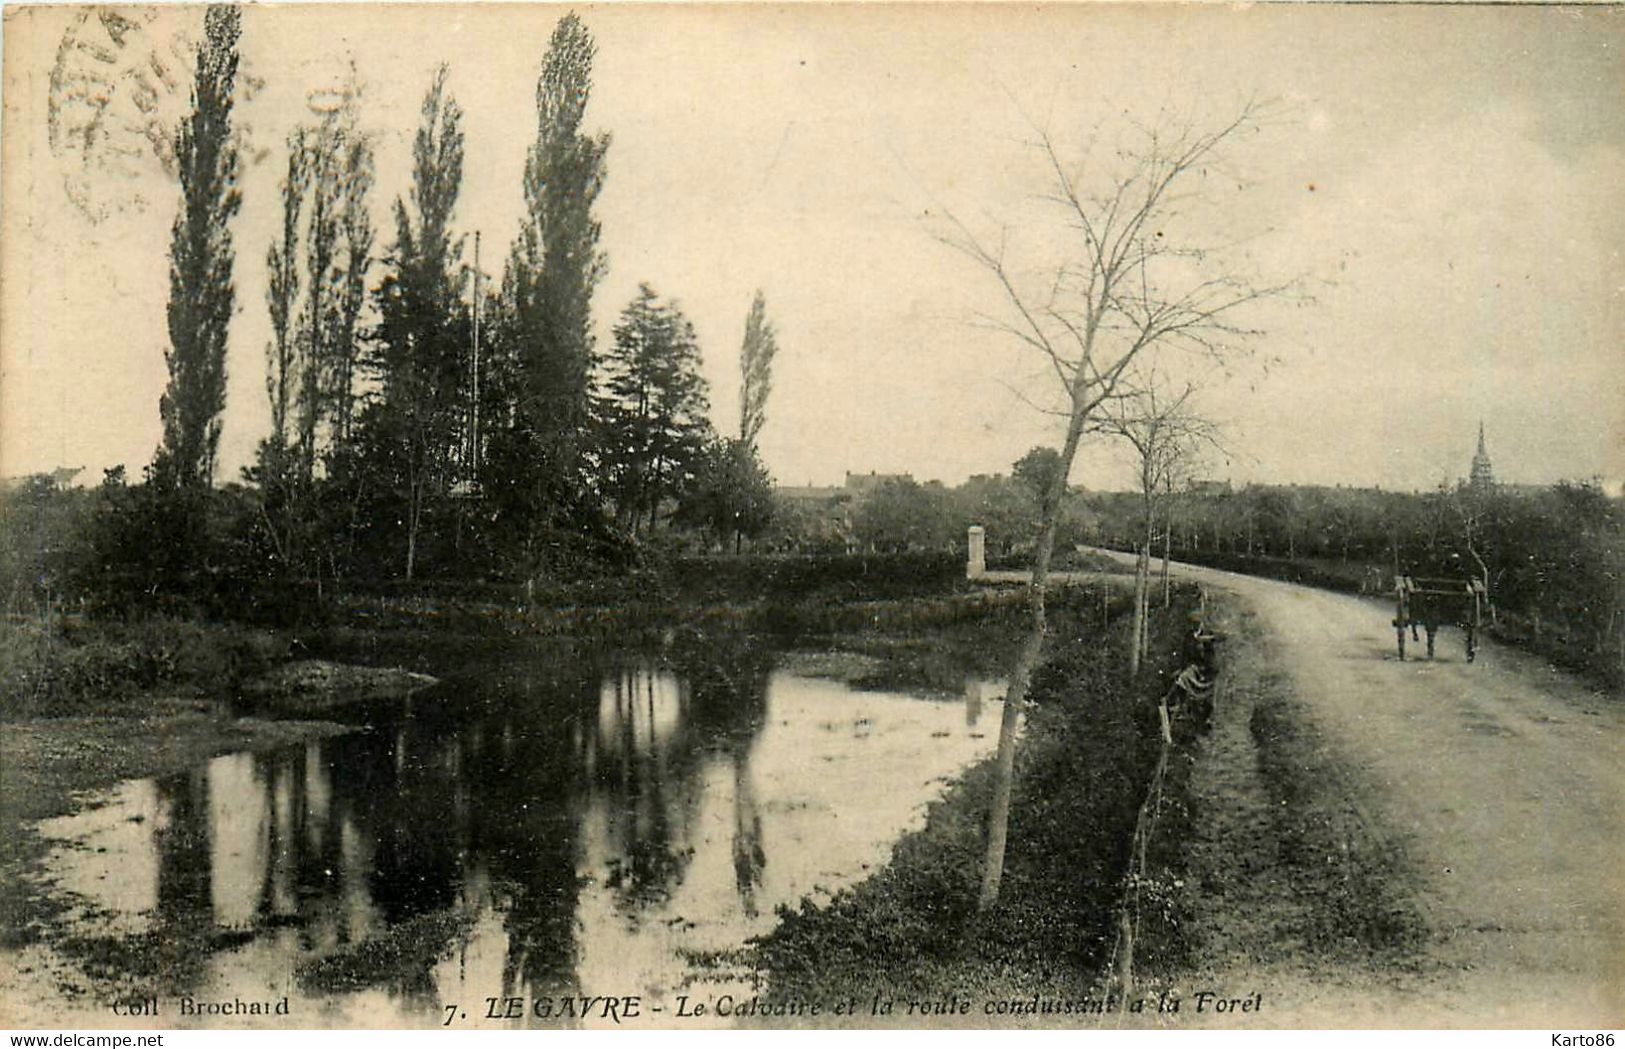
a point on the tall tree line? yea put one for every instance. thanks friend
(318, 266)
(371, 465)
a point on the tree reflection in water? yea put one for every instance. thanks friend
(657, 728)
(182, 920)
(550, 814)
(728, 678)
(524, 821)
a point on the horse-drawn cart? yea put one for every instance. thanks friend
(1427, 603)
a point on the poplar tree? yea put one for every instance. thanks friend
(273, 472)
(755, 370)
(546, 305)
(733, 494)
(337, 254)
(282, 298)
(201, 293)
(318, 267)
(417, 355)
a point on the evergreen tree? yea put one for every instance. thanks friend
(1038, 469)
(655, 426)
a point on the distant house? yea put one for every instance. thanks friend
(811, 493)
(60, 477)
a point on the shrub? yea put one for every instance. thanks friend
(67, 667)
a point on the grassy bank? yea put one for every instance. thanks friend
(1277, 796)
(913, 932)
(1354, 878)
(87, 703)
(75, 665)
(1277, 877)
(749, 591)
(62, 666)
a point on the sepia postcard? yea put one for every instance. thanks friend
(946, 516)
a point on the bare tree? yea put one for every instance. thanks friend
(1472, 511)
(1166, 434)
(1122, 289)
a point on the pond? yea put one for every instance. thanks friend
(542, 829)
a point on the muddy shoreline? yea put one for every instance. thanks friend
(56, 766)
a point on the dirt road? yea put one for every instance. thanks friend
(1500, 783)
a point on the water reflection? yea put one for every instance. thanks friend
(974, 689)
(543, 829)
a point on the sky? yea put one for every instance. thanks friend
(1439, 187)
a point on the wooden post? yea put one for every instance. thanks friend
(1125, 955)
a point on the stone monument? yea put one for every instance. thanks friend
(976, 556)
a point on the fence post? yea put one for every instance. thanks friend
(1125, 956)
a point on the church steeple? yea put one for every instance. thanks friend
(1483, 475)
